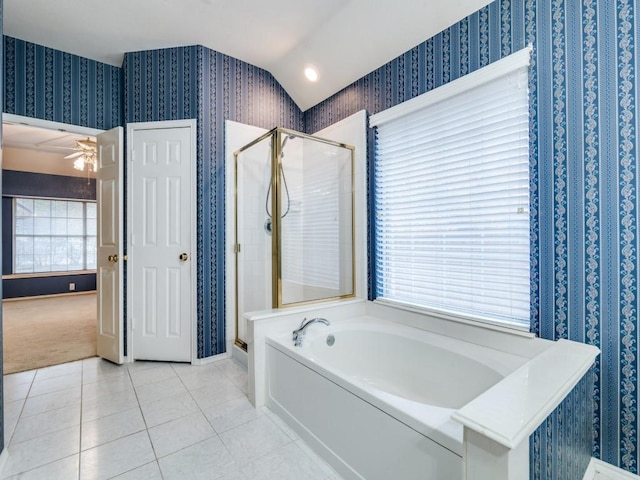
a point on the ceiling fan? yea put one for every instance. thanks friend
(85, 155)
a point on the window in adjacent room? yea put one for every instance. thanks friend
(54, 235)
(451, 190)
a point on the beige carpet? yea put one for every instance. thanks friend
(39, 332)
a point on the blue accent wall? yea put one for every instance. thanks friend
(584, 205)
(196, 82)
(28, 184)
(44, 83)
(15, 183)
(35, 286)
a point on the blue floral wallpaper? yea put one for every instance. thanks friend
(584, 216)
(44, 83)
(161, 85)
(196, 82)
(168, 84)
(583, 144)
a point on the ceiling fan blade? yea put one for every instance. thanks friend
(74, 155)
(88, 144)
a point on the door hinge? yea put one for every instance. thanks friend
(236, 248)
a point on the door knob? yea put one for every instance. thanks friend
(113, 258)
(184, 257)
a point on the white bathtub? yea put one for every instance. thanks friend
(377, 403)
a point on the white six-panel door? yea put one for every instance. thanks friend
(160, 257)
(109, 251)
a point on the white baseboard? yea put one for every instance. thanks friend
(240, 356)
(599, 470)
(213, 359)
(196, 361)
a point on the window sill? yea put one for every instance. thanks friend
(16, 276)
(477, 322)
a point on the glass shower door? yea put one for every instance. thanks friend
(316, 225)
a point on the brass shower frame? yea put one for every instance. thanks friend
(276, 263)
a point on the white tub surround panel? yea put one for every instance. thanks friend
(498, 423)
(275, 321)
(356, 437)
(485, 459)
(415, 376)
(373, 368)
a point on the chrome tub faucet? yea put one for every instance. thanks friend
(298, 334)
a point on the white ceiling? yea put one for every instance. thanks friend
(33, 149)
(343, 39)
(40, 139)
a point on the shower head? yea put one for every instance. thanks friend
(284, 142)
(290, 136)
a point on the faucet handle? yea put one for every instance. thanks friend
(298, 333)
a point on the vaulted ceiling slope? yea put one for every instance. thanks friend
(343, 39)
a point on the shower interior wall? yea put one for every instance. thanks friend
(254, 264)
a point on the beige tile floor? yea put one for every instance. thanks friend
(94, 420)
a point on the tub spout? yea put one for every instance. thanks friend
(298, 334)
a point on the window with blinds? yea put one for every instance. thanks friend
(451, 190)
(54, 235)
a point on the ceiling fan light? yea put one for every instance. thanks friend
(78, 163)
(311, 73)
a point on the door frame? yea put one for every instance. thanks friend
(11, 118)
(132, 128)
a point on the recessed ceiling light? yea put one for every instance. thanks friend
(311, 73)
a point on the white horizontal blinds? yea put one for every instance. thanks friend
(452, 203)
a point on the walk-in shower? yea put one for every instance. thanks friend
(294, 222)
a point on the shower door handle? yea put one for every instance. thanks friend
(183, 257)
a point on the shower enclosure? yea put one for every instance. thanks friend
(294, 223)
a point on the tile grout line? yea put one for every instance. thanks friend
(20, 417)
(215, 431)
(24, 403)
(146, 426)
(265, 454)
(202, 413)
(237, 426)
